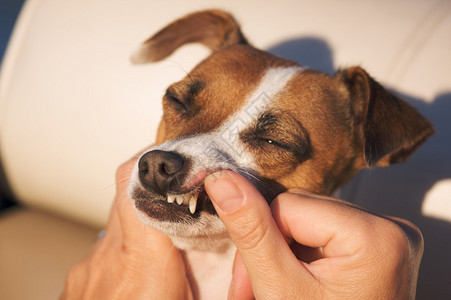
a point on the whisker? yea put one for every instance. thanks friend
(125, 177)
(109, 186)
(210, 239)
(181, 68)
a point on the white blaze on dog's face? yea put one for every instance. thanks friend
(278, 124)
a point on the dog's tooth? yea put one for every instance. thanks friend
(186, 199)
(171, 198)
(193, 203)
(179, 199)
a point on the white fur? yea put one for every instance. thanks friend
(212, 271)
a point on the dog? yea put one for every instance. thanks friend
(281, 125)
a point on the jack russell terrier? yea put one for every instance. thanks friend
(281, 125)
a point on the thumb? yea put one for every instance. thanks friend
(248, 219)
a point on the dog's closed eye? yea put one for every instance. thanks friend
(284, 133)
(176, 102)
(271, 142)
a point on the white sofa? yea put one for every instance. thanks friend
(72, 108)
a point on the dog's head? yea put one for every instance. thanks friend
(277, 123)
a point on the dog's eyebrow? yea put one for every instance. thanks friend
(186, 90)
(194, 87)
(266, 119)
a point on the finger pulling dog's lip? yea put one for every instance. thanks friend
(198, 179)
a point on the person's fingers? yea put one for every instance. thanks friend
(413, 234)
(76, 278)
(318, 222)
(338, 228)
(348, 238)
(240, 287)
(247, 217)
(121, 204)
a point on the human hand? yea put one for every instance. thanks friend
(306, 246)
(132, 260)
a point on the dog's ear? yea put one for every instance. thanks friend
(391, 129)
(215, 29)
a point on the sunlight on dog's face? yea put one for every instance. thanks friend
(279, 124)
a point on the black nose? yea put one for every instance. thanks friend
(161, 171)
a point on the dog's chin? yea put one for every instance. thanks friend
(202, 230)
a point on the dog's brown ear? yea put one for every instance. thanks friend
(215, 29)
(391, 129)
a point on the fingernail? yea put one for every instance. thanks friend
(224, 192)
